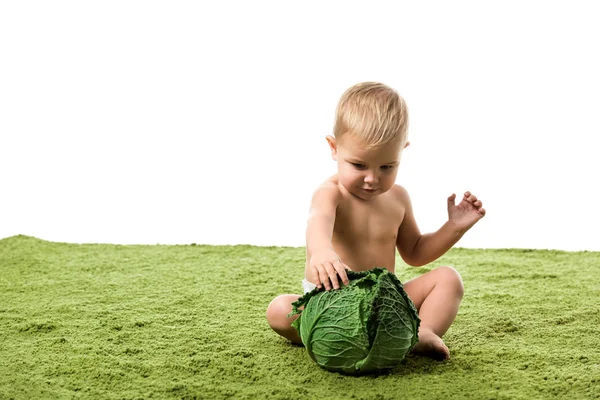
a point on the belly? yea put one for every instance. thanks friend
(362, 257)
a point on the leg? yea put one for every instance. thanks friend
(277, 317)
(437, 295)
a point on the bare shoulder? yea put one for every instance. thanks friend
(329, 189)
(326, 199)
(400, 195)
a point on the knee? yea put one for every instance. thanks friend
(278, 310)
(452, 278)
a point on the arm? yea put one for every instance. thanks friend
(418, 249)
(323, 264)
(321, 218)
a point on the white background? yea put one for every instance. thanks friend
(180, 122)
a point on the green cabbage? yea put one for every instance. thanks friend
(366, 326)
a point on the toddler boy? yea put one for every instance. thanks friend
(359, 216)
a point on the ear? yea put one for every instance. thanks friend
(332, 146)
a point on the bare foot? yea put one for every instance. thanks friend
(431, 345)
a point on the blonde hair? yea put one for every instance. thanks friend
(373, 113)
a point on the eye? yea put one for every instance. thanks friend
(387, 167)
(358, 166)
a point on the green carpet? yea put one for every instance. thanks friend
(132, 322)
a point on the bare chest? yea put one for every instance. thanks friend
(365, 233)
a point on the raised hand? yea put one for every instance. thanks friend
(467, 212)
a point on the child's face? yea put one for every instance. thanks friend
(366, 173)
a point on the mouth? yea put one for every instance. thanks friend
(369, 190)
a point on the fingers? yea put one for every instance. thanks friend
(470, 197)
(451, 199)
(478, 204)
(332, 274)
(323, 277)
(328, 275)
(340, 268)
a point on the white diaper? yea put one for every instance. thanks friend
(308, 286)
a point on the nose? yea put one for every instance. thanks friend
(371, 177)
